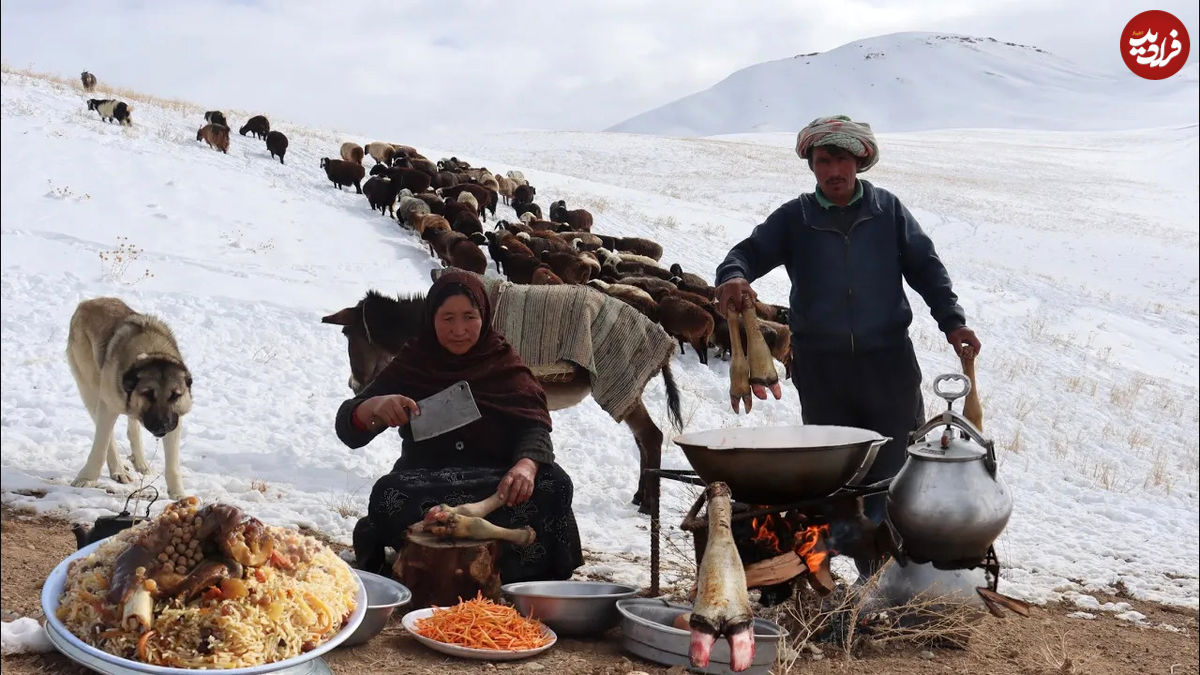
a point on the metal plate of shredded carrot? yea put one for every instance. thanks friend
(479, 628)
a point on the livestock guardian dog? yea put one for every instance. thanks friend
(127, 363)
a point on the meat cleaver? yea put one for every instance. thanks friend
(447, 410)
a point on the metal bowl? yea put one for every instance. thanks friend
(776, 465)
(384, 595)
(647, 631)
(102, 661)
(570, 607)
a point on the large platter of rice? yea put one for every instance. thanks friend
(293, 612)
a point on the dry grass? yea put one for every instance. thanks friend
(115, 264)
(1124, 395)
(855, 622)
(1017, 444)
(1159, 475)
(103, 89)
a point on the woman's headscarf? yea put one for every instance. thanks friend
(843, 132)
(500, 381)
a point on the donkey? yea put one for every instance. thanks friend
(378, 326)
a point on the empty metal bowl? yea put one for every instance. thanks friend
(570, 607)
(384, 595)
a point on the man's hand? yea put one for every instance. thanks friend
(963, 337)
(517, 485)
(394, 410)
(735, 295)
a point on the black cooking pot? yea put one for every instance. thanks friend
(107, 526)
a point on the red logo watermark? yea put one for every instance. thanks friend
(1155, 44)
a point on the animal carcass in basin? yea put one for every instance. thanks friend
(722, 604)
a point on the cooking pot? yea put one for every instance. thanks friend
(947, 505)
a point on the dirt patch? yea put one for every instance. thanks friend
(1049, 642)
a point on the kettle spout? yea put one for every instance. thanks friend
(81, 532)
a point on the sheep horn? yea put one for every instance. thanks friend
(739, 367)
(762, 369)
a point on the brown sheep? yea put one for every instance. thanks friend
(456, 250)
(693, 282)
(657, 288)
(428, 222)
(381, 152)
(568, 266)
(422, 164)
(585, 241)
(352, 152)
(89, 81)
(579, 220)
(467, 223)
(341, 173)
(639, 246)
(487, 199)
(505, 186)
(216, 135)
(455, 208)
(686, 322)
(503, 245)
(524, 193)
(630, 295)
(544, 276)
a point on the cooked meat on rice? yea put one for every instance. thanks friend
(207, 588)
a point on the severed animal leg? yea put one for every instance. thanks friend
(479, 509)
(455, 526)
(972, 408)
(762, 368)
(722, 605)
(739, 367)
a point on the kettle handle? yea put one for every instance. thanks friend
(953, 419)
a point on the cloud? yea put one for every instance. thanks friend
(398, 68)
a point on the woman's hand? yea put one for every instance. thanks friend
(517, 485)
(394, 410)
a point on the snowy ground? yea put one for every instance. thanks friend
(1075, 255)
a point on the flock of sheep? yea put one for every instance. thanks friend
(446, 204)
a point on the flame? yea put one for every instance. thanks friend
(811, 547)
(764, 528)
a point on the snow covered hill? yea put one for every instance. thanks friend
(1075, 255)
(917, 81)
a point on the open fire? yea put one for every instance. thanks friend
(788, 546)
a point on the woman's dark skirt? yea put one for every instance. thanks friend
(402, 497)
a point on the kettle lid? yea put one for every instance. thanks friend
(955, 450)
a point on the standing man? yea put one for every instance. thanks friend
(846, 246)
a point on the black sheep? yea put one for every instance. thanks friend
(215, 117)
(417, 181)
(527, 207)
(381, 192)
(342, 173)
(89, 81)
(257, 125)
(110, 110)
(277, 144)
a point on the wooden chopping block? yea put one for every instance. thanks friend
(440, 571)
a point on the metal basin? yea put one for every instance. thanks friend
(777, 465)
(384, 595)
(646, 631)
(570, 607)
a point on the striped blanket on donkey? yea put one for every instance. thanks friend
(619, 347)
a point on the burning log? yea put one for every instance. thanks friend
(775, 570)
(994, 601)
(807, 545)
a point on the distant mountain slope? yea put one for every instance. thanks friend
(919, 81)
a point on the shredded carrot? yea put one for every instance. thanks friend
(482, 624)
(141, 645)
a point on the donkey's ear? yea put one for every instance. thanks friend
(343, 317)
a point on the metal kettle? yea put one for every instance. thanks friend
(947, 505)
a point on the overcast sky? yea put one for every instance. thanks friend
(388, 67)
